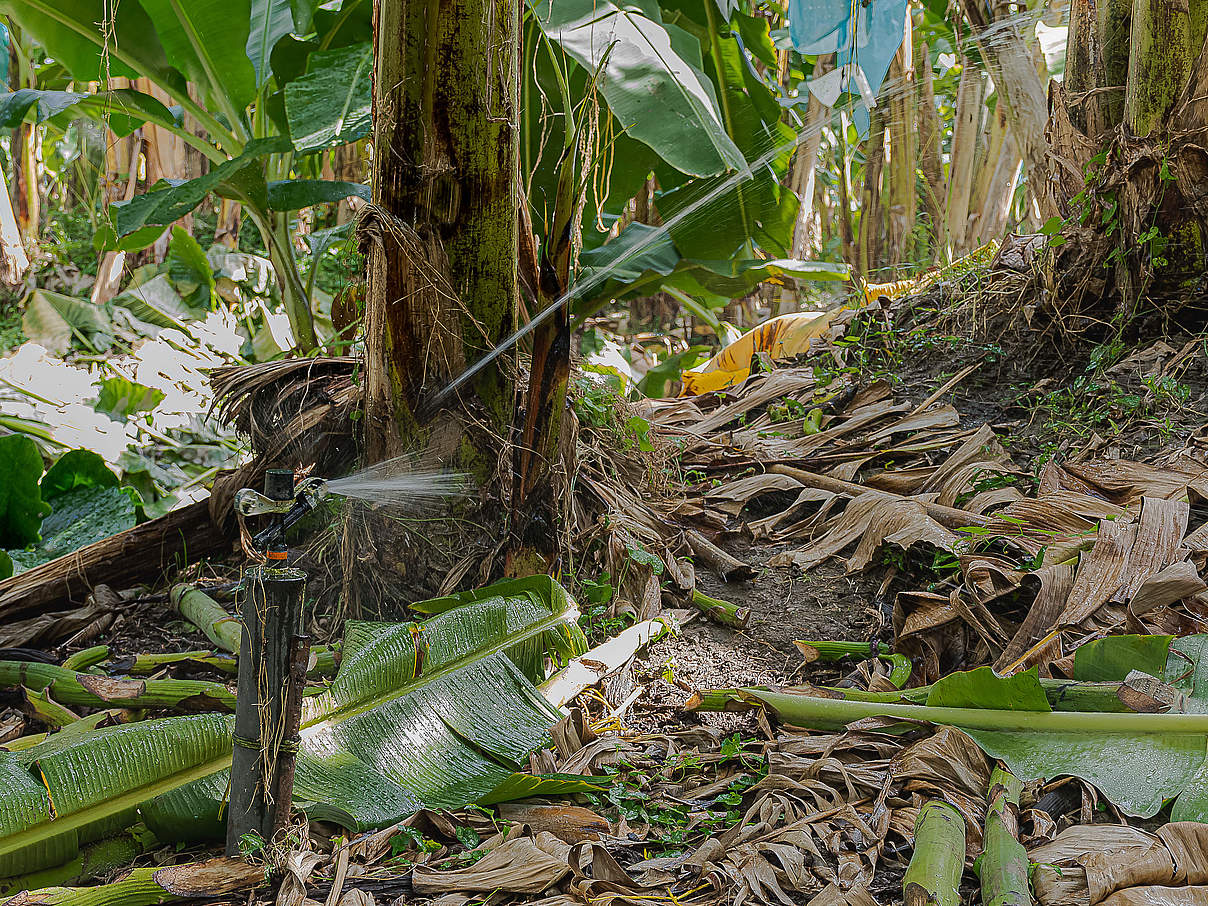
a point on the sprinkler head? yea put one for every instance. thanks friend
(286, 511)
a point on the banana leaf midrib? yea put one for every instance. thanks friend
(309, 728)
(116, 805)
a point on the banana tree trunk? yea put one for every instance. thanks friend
(994, 138)
(903, 153)
(969, 93)
(995, 204)
(1011, 64)
(931, 161)
(1163, 236)
(230, 219)
(1165, 41)
(23, 148)
(442, 287)
(348, 164)
(847, 237)
(1082, 52)
(13, 260)
(868, 248)
(167, 158)
(1113, 19)
(805, 165)
(120, 183)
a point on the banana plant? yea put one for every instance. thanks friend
(440, 714)
(682, 100)
(274, 80)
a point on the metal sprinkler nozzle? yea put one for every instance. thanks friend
(286, 509)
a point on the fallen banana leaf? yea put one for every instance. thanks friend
(440, 714)
(900, 667)
(1136, 760)
(781, 337)
(48, 711)
(1115, 864)
(1183, 664)
(605, 659)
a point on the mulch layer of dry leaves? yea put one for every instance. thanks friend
(833, 506)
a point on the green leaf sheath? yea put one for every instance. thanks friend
(1003, 863)
(70, 687)
(934, 875)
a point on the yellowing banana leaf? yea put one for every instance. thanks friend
(781, 337)
(438, 714)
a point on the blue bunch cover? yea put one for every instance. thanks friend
(865, 32)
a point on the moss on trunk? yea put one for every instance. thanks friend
(442, 287)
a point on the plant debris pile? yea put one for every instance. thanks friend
(1019, 701)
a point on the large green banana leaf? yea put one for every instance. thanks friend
(1139, 761)
(436, 714)
(645, 71)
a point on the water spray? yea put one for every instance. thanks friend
(581, 288)
(384, 483)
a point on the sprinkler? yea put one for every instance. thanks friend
(282, 500)
(273, 655)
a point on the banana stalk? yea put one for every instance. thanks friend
(1063, 696)
(48, 711)
(322, 661)
(89, 657)
(1003, 864)
(806, 710)
(148, 886)
(934, 875)
(207, 615)
(722, 612)
(70, 687)
(828, 650)
(224, 631)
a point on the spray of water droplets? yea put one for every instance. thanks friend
(398, 483)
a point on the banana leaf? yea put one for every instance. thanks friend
(1138, 761)
(439, 714)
